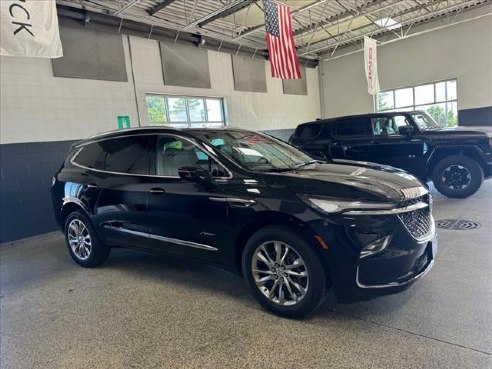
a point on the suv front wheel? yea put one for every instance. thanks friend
(457, 176)
(284, 273)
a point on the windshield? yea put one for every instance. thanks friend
(255, 151)
(425, 121)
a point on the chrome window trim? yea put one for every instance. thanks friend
(162, 238)
(81, 147)
(406, 209)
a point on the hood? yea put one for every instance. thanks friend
(350, 180)
(462, 131)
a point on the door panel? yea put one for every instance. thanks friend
(400, 151)
(115, 179)
(352, 139)
(185, 218)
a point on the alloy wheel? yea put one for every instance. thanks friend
(79, 239)
(280, 273)
(456, 177)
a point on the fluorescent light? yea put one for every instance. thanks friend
(388, 23)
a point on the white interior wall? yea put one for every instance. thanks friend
(462, 51)
(36, 106)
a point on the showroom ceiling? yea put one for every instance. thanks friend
(322, 28)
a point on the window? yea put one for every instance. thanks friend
(355, 127)
(184, 112)
(310, 130)
(388, 125)
(120, 155)
(439, 100)
(174, 153)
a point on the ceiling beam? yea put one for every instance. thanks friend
(295, 11)
(125, 7)
(226, 12)
(160, 6)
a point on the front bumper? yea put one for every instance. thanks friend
(487, 159)
(404, 260)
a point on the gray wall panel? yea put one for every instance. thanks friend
(184, 65)
(296, 86)
(249, 74)
(26, 171)
(91, 54)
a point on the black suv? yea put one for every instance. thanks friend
(456, 159)
(294, 227)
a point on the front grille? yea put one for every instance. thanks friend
(418, 222)
(416, 200)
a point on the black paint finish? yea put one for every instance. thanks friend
(211, 219)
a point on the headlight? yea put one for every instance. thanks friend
(332, 206)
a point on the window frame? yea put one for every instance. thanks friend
(151, 141)
(189, 122)
(418, 107)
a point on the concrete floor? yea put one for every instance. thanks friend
(143, 311)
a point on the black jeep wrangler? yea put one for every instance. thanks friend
(456, 159)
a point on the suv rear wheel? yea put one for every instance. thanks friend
(457, 176)
(83, 244)
(284, 273)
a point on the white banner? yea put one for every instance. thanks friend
(30, 28)
(371, 65)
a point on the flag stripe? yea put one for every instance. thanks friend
(284, 63)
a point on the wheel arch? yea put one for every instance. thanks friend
(443, 152)
(69, 207)
(271, 218)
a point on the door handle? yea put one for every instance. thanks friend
(92, 185)
(157, 191)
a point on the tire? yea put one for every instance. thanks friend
(457, 176)
(87, 250)
(315, 279)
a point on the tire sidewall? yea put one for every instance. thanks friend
(99, 251)
(317, 274)
(470, 164)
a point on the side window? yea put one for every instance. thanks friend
(121, 155)
(354, 127)
(91, 156)
(401, 121)
(388, 126)
(126, 155)
(174, 153)
(383, 126)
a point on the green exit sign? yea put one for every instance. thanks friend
(124, 121)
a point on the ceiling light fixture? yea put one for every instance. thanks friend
(388, 23)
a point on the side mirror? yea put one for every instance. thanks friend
(405, 130)
(196, 174)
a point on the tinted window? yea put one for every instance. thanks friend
(174, 153)
(354, 127)
(310, 130)
(91, 156)
(121, 155)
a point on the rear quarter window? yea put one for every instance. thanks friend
(118, 155)
(310, 130)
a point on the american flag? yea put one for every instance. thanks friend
(281, 45)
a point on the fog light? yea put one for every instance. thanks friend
(375, 247)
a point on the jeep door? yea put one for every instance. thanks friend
(398, 150)
(352, 139)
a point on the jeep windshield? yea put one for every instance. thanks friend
(424, 121)
(255, 151)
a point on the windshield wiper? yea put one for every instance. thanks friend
(309, 162)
